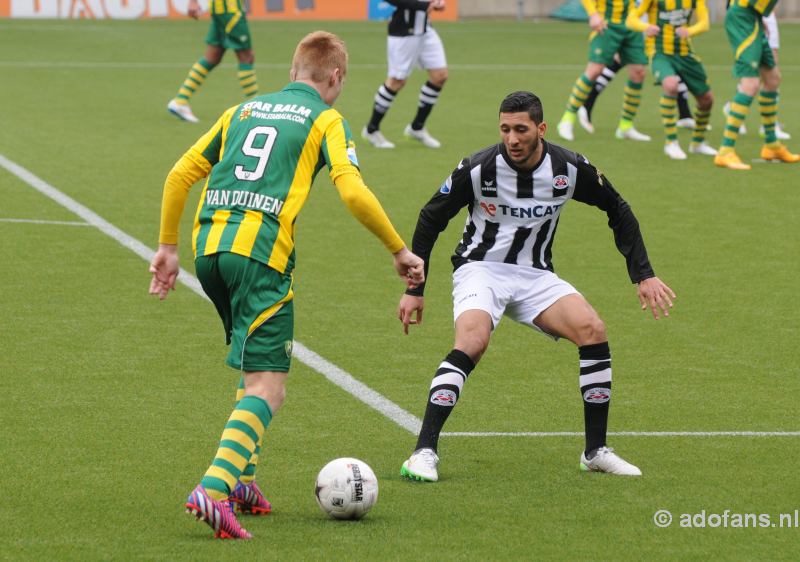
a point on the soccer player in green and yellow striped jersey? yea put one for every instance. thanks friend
(609, 37)
(673, 56)
(260, 159)
(228, 30)
(755, 68)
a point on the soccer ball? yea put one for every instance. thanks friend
(346, 488)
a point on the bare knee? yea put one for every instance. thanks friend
(705, 101)
(246, 56)
(670, 85)
(213, 54)
(636, 73)
(438, 76)
(591, 330)
(395, 84)
(267, 385)
(593, 70)
(473, 332)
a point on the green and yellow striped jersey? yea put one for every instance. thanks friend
(669, 15)
(218, 7)
(613, 11)
(763, 7)
(265, 154)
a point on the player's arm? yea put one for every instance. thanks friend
(363, 204)
(634, 19)
(194, 165)
(194, 9)
(596, 20)
(703, 22)
(593, 188)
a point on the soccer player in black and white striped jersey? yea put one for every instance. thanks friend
(514, 192)
(411, 42)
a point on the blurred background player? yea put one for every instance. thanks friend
(774, 40)
(412, 41)
(609, 37)
(515, 191)
(228, 30)
(674, 55)
(245, 253)
(754, 66)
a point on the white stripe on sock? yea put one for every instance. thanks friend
(594, 378)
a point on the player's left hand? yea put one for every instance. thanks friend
(437, 5)
(682, 32)
(164, 267)
(654, 294)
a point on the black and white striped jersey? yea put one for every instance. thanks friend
(410, 17)
(513, 213)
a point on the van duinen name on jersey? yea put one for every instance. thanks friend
(243, 199)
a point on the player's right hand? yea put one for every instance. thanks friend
(405, 311)
(652, 30)
(410, 267)
(194, 9)
(597, 23)
(164, 267)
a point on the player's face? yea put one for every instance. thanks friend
(522, 138)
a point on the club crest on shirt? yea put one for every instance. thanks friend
(245, 113)
(446, 186)
(560, 182)
(351, 153)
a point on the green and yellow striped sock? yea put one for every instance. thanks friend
(738, 111)
(631, 101)
(248, 80)
(249, 473)
(768, 105)
(242, 434)
(701, 118)
(669, 110)
(580, 92)
(197, 75)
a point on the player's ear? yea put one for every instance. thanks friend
(542, 129)
(293, 74)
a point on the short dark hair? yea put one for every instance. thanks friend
(516, 102)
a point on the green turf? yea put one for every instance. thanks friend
(112, 402)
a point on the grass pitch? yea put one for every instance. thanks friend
(112, 402)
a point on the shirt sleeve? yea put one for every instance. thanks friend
(634, 19)
(195, 164)
(594, 189)
(453, 195)
(339, 149)
(703, 20)
(410, 4)
(590, 6)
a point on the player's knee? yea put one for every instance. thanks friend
(438, 77)
(246, 56)
(593, 70)
(670, 85)
(591, 330)
(749, 86)
(636, 73)
(395, 84)
(705, 101)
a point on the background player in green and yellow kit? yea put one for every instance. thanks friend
(261, 158)
(228, 30)
(673, 55)
(609, 36)
(755, 67)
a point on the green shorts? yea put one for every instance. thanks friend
(749, 42)
(688, 67)
(229, 31)
(617, 39)
(256, 307)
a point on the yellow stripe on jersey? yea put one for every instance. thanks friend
(218, 223)
(761, 5)
(245, 237)
(299, 189)
(747, 42)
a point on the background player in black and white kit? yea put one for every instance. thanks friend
(411, 42)
(514, 192)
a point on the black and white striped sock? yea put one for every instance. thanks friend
(595, 382)
(383, 101)
(444, 392)
(428, 96)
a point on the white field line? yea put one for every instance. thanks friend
(38, 221)
(334, 374)
(99, 65)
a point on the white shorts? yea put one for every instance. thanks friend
(425, 51)
(773, 36)
(521, 293)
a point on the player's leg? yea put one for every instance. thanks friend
(572, 317)
(773, 149)
(255, 303)
(631, 53)
(179, 105)
(774, 41)
(480, 291)
(605, 77)
(693, 75)
(238, 38)
(246, 73)
(401, 54)
(433, 59)
(685, 119)
(669, 116)
(581, 90)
